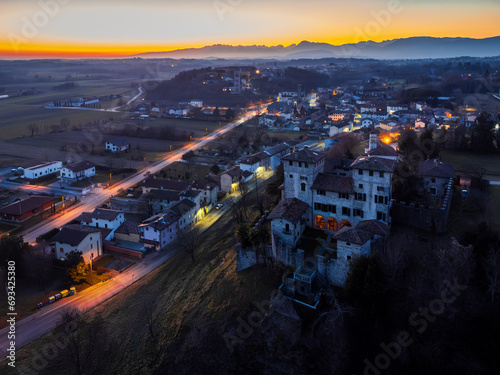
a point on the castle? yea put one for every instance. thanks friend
(343, 200)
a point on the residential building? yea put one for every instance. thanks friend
(118, 145)
(42, 170)
(26, 207)
(77, 171)
(159, 230)
(78, 238)
(103, 218)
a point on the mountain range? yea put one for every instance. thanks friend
(406, 48)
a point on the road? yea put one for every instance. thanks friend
(100, 196)
(49, 317)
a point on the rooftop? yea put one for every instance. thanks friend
(330, 182)
(80, 166)
(73, 234)
(26, 205)
(100, 213)
(291, 209)
(374, 163)
(305, 155)
(436, 168)
(352, 235)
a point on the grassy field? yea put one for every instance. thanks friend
(466, 161)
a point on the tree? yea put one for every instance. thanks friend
(243, 234)
(492, 269)
(215, 169)
(12, 248)
(190, 241)
(76, 269)
(427, 144)
(33, 128)
(230, 113)
(482, 137)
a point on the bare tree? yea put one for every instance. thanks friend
(492, 268)
(149, 316)
(393, 258)
(190, 242)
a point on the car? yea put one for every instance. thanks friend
(218, 207)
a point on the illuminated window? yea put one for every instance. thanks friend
(320, 222)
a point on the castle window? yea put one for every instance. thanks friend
(346, 211)
(433, 180)
(380, 188)
(360, 171)
(433, 190)
(360, 186)
(300, 164)
(290, 163)
(332, 224)
(381, 174)
(321, 192)
(303, 187)
(371, 173)
(306, 165)
(291, 176)
(320, 222)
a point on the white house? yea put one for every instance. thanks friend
(42, 170)
(186, 211)
(78, 171)
(103, 218)
(367, 122)
(117, 145)
(230, 179)
(159, 230)
(268, 120)
(78, 238)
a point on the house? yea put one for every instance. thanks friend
(186, 211)
(118, 145)
(254, 163)
(157, 184)
(77, 171)
(275, 154)
(78, 238)
(41, 170)
(367, 122)
(208, 192)
(128, 231)
(230, 179)
(160, 200)
(268, 120)
(436, 175)
(103, 218)
(26, 208)
(159, 230)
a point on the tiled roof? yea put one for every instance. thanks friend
(73, 234)
(246, 174)
(180, 208)
(235, 171)
(163, 195)
(374, 227)
(164, 184)
(305, 155)
(26, 205)
(330, 182)
(291, 209)
(352, 235)
(374, 163)
(80, 166)
(279, 148)
(160, 221)
(100, 213)
(383, 149)
(436, 168)
(128, 227)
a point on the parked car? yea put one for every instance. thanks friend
(218, 207)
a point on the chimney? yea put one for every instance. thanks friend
(373, 142)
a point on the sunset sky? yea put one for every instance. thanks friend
(81, 28)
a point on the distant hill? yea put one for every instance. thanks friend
(408, 48)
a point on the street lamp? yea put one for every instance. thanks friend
(91, 277)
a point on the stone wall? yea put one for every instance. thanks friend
(424, 217)
(131, 206)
